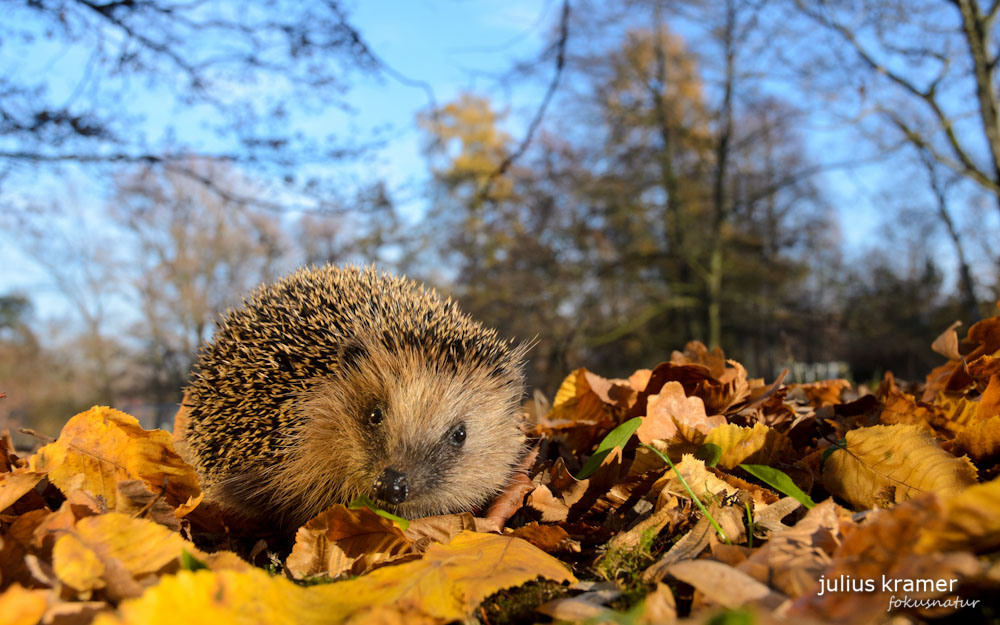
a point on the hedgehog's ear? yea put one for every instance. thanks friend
(350, 354)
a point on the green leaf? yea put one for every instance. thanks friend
(841, 444)
(733, 617)
(615, 438)
(362, 501)
(709, 453)
(191, 563)
(779, 480)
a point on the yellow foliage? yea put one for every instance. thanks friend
(891, 463)
(446, 584)
(105, 446)
(757, 445)
(19, 606)
(15, 485)
(971, 521)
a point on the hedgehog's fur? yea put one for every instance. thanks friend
(279, 404)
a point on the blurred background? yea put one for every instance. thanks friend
(812, 185)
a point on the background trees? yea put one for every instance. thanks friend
(679, 174)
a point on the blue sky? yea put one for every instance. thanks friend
(452, 45)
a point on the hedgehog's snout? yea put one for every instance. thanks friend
(390, 486)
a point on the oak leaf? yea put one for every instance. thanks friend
(891, 463)
(669, 409)
(107, 446)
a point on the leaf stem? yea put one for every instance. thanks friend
(697, 501)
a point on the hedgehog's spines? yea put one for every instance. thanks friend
(312, 325)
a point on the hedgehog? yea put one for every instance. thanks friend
(333, 383)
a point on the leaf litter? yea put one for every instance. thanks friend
(684, 493)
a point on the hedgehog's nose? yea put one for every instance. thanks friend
(391, 486)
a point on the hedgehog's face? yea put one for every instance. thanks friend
(418, 437)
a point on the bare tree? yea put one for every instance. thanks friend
(244, 72)
(196, 255)
(928, 68)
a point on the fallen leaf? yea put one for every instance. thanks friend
(15, 485)
(448, 583)
(892, 463)
(548, 538)
(883, 549)
(119, 553)
(20, 606)
(668, 409)
(981, 441)
(792, 560)
(723, 585)
(971, 522)
(946, 343)
(339, 541)
(107, 446)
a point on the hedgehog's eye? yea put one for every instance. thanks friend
(457, 435)
(376, 416)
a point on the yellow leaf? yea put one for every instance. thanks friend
(757, 445)
(981, 441)
(105, 446)
(15, 485)
(117, 552)
(76, 565)
(584, 397)
(971, 521)
(702, 481)
(141, 545)
(958, 413)
(446, 584)
(891, 463)
(19, 606)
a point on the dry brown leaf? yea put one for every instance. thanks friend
(723, 585)
(584, 397)
(883, 550)
(659, 607)
(107, 446)
(339, 540)
(548, 538)
(822, 393)
(134, 499)
(671, 408)
(18, 542)
(946, 343)
(792, 560)
(891, 463)
(442, 528)
(957, 413)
